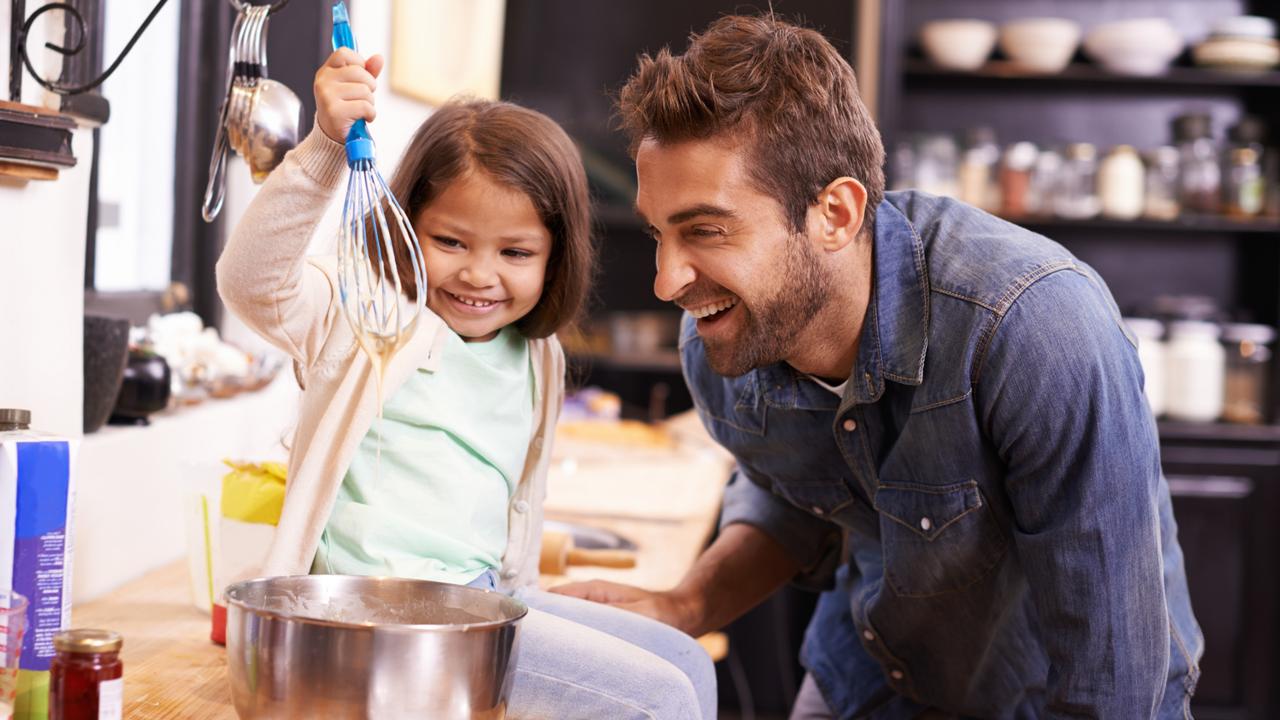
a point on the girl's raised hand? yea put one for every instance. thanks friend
(344, 88)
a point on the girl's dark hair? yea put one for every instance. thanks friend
(527, 151)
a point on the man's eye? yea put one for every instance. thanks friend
(701, 231)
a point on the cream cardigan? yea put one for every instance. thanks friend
(266, 280)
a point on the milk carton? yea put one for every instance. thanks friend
(37, 488)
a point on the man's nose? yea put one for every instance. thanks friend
(675, 273)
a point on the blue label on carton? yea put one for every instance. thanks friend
(40, 545)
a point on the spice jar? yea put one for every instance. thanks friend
(1161, 202)
(936, 165)
(1199, 175)
(1120, 184)
(1195, 366)
(1044, 183)
(1015, 179)
(1077, 193)
(1248, 368)
(1151, 355)
(1243, 192)
(86, 677)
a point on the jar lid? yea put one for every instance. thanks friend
(15, 416)
(1244, 332)
(1192, 126)
(1243, 156)
(1193, 328)
(1249, 129)
(88, 641)
(1081, 151)
(1021, 155)
(1145, 328)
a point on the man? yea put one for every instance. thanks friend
(949, 397)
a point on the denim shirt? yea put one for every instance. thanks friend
(992, 473)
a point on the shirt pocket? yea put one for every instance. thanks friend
(936, 538)
(823, 498)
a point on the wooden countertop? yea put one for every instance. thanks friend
(173, 670)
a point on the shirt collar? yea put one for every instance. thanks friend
(895, 331)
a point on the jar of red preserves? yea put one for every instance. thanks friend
(86, 677)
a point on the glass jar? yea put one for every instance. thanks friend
(1244, 190)
(1199, 174)
(1120, 184)
(1044, 183)
(936, 165)
(1015, 179)
(1077, 192)
(1151, 355)
(86, 677)
(977, 173)
(1248, 369)
(902, 173)
(1161, 201)
(1195, 366)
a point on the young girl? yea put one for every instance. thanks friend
(498, 198)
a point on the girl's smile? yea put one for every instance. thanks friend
(486, 252)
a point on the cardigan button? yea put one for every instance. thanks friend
(521, 506)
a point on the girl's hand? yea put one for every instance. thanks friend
(344, 88)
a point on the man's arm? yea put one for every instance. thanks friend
(1060, 395)
(740, 569)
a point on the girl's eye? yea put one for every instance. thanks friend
(447, 241)
(518, 254)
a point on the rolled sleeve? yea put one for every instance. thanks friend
(814, 543)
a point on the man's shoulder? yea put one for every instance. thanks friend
(977, 257)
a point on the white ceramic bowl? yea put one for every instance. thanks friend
(1237, 53)
(1245, 26)
(1041, 45)
(958, 44)
(1143, 46)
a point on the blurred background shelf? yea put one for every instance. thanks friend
(1184, 225)
(1004, 72)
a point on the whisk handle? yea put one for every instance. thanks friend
(359, 142)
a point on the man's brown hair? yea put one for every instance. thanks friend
(779, 89)
(526, 151)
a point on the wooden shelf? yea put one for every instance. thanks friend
(662, 361)
(1177, 78)
(1190, 224)
(1218, 432)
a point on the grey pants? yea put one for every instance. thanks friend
(809, 705)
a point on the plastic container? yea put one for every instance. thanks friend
(1248, 372)
(1195, 370)
(1121, 184)
(1151, 353)
(86, 678)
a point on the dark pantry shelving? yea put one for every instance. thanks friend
(1225, 479)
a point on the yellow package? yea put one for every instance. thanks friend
(253, 492)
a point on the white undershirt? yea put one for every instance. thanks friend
(837, 389)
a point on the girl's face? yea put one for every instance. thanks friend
(486, 252)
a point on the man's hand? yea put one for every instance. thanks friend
(664, 607)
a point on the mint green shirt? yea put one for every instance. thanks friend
(453, 445)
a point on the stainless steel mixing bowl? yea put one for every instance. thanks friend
(338, 646)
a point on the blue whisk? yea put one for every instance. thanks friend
(374, 226)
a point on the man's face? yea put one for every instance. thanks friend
(726, 253)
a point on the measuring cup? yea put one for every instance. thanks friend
(13, 625)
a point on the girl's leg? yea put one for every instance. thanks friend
(654, 645)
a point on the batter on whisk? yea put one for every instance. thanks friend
(497, 197)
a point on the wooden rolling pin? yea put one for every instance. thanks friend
(558, 553)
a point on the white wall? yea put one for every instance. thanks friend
(42, 242)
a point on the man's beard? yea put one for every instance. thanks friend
(771, 329)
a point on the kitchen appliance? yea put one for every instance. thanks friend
(340, 646)
(144, 389)
(376, 238)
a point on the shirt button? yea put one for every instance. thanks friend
(509, 573)
(537, 442)
(850, 425)
(925, 524)
(896, 674)
(816, 510)
(521, 506)
(870, 636)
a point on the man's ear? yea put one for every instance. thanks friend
(840, 210)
